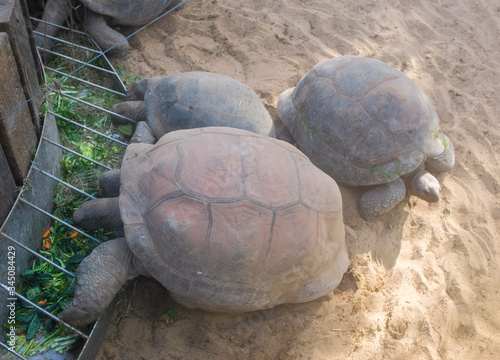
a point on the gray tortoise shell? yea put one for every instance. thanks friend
(228, 220)
(360, 120)
(198, 99)
(128, 12)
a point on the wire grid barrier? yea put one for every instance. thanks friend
(11, 293)
(47, 141)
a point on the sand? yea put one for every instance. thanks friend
(424, 279)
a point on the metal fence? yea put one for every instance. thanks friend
(45, 172)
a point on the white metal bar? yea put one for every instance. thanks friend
(63, 182)
(85, 336)
(36, 254)
(76, 153)
(85, 81)
(61, 221)
(100, 108)
(87, 128)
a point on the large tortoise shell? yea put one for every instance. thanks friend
(360, 120)
(198, 99)
(228, 220)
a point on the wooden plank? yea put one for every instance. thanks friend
(26, 224)
(7, 187)
(15, 24)
(17, 133)
(36, 57)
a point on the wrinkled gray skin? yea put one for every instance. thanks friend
(98, 16)
(367, 124)
(115, 255)
(192, 100)
(119, 264)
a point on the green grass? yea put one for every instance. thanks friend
(387, 174)
(77, 171)
(439, 134)
(127, 79)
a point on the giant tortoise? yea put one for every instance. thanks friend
(189, 100)
(227, 220)
(98, 16)
(367, 124)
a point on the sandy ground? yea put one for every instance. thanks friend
(424, 280)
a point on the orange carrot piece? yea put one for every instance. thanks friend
(47, 233)
(74, 234)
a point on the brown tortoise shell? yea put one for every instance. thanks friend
(232, 221)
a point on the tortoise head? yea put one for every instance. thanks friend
(425, 186)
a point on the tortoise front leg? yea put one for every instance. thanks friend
(99, 277)
(135, 110)
(56, 11)
(444, 161)
(138, 90)
(99, 213)
(143, 134)
(105, 36)
(109, 183)
(382, 198)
